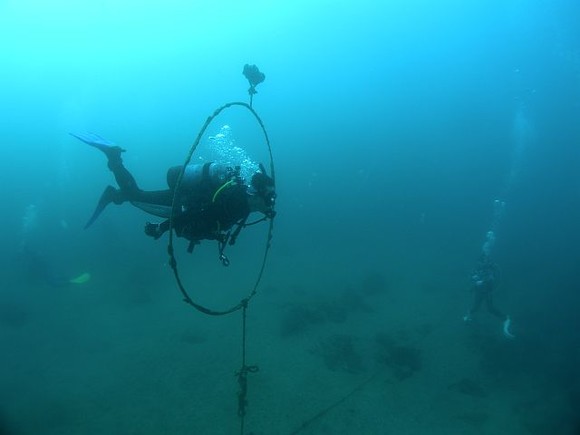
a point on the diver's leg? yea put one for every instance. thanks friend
(128, 189)
(163, 198)
(477, 301)
(124, 179)
(506, 321)
(492, 309)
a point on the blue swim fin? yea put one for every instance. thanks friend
(109, 148)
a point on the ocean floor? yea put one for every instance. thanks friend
(338, 351)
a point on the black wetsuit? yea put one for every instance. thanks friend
(484, 281)
(205, 210)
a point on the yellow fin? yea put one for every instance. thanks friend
(81, 279)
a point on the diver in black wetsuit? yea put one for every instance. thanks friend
(212, 197)
(485, 279)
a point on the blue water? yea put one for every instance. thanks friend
(394, 127)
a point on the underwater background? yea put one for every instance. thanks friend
(395, 125)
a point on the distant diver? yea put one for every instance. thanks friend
(212, 199)
(40, 269)
(485, 279)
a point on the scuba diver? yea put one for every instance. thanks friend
(485, 279)
(212, 198)
(42, 269)
(37, 265)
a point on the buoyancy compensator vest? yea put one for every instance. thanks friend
(200, 182)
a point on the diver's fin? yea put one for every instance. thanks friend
(81, 279)
(109, 195)
(506, 328)
(111, 150)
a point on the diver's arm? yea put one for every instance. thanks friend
(156, 230)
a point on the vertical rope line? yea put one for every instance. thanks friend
(244, 334)
(243, 372)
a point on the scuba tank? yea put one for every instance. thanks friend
(200, 181)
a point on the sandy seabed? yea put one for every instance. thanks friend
(338, 351)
